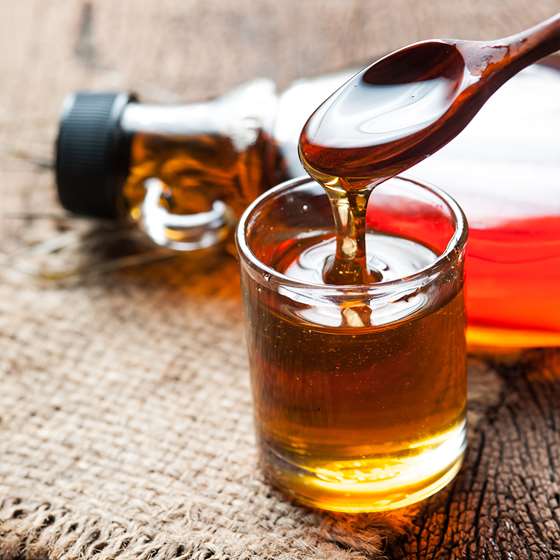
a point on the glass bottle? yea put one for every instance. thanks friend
(184, 173)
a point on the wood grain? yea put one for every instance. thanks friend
(506, 502)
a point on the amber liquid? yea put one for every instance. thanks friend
(366, 413)
(197, 170)
(503, 171)
(529, 252)
(512, 274)
(358, 412)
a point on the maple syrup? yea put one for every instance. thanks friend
(182, 173)
(359, 390)
(504, 172)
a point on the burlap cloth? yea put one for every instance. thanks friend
(125, 414)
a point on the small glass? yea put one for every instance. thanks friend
(359, 391)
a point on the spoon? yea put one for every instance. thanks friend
(409, 104)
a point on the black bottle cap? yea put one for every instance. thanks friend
(92, 153)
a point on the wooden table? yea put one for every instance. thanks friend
(506, 501)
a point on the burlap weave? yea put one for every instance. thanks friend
(125, 415)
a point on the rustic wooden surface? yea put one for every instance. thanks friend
(506, 502)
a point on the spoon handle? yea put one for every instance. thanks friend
(532, 44)
(492, 63)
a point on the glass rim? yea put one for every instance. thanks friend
(454, 246)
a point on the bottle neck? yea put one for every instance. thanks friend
(251, 106)
(173, 120)
(187, 160)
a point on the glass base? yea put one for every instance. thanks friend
(378, 483)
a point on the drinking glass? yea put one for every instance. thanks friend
(359, 391)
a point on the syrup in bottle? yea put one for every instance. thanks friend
(183, 173)
(504, 172)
